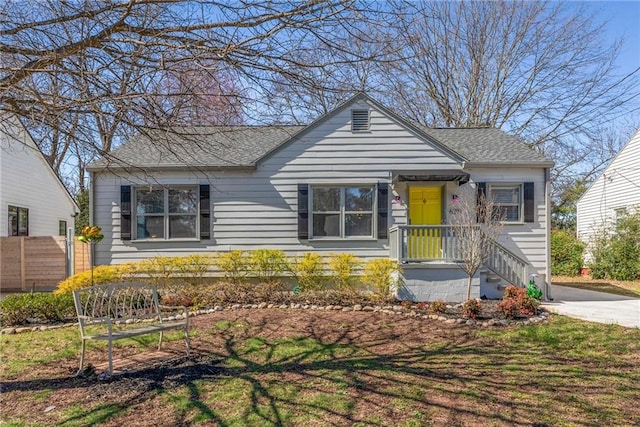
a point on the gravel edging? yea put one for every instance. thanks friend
(390, 310)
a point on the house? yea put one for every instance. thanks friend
(360, 179)
(33, 199)
(614, 193)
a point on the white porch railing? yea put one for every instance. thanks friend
(429, 243)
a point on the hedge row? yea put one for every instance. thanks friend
(310, 272)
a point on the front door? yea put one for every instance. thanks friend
(425, 208)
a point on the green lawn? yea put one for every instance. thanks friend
(303, 368)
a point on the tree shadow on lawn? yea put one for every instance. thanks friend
(276, 368)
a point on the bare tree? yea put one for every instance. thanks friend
(99, 70)
(476, 224)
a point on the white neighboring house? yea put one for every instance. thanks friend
(614, 193)
(33, 200)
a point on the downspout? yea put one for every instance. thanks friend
(547, 281)
(91, 198)
(91, 218)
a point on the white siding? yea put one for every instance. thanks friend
(259, 209)
(617, 188)
(27, 181)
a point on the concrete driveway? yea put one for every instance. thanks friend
(594, 306)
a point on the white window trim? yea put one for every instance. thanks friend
(343, 213)
(520, 204)
(165, 215)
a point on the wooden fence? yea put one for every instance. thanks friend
(80, 257)
(37, 263)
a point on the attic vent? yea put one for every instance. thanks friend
(359, 120)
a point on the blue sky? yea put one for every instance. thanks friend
(623, 19)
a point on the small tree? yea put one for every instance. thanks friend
(476, 224)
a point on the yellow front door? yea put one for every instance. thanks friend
(425, 208)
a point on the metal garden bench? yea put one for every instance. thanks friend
(124, 310)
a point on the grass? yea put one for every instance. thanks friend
(617, 287)
(565, 372)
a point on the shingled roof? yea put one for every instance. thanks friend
(224, 147)
(486, 145)
(198, 146)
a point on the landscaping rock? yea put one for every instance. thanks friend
(357, 307)
(262, 305)
(8, 331)
(236, 307)
(368, 308)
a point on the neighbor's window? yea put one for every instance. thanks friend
(62, 228)
(342, 212)
(166, 212)
(619, 213)
(18, 221)
(507, 201)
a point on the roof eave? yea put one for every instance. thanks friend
(130, 168)
(514, 164)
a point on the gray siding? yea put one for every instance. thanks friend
(258, 209)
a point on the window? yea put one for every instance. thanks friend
(166, 212)
(507, 201)
(62, 228)
(18, 221)
(619, 214)
(359, 120)
(342, 212)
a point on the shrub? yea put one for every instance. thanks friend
(101, 274)
(343, 268)
(406, 304)
(268, 265)
(17, 309)
(566, 253)
(380, 274)
(516, 302)
(438, 307)
(308, 270)
(616, 255)
(422, 306)
(234, 265)
(193, 269)
(14, 310)
(160, 271)
(471, 308)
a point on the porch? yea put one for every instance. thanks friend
(430, 255)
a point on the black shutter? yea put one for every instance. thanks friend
(205, 213)
(529, 208)
(125, 212)
(383, 210)
(481, 196)
(303, 211)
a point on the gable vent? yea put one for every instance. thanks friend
(359, 120)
